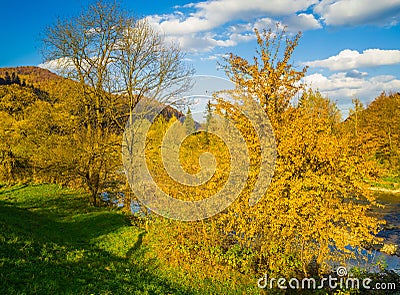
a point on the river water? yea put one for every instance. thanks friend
(391, 232)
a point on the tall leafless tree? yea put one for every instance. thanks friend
(117, 61)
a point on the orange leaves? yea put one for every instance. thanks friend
(271, 78)
(316, 201)
(316, 198)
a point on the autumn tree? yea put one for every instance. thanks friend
(208, 115)
(321, 107)
(116, 61)
(317, 200)
(270, 76)
(9, 158)
(316, 207)
(375, 131)
(15, 101)
(356, 113)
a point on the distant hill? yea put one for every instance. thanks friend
(30, 74)
(46, 85)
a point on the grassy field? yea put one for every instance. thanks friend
(52, 242)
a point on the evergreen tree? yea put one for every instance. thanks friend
(208, 114)
(7, 79)
(189, 123)
(17, 80)
(208, 117)
(13, 78)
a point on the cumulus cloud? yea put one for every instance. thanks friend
(57, 65)
(191, 24)
(356, 74)
(293, 23)
(352, 59)
(301, 22)
(206, 42)
(359, 12)
(342, 87)
(262, 23)
(211, 14)
(217, 56)
(235, 18)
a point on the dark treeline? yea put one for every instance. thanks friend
(11, 79)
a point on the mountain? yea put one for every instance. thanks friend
(31, 74)
(42, 84)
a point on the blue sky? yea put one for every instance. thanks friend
(352, 47)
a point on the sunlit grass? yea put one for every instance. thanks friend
(52, 242)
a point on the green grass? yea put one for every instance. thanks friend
(391, 182)
(394, 180)
(52, 242)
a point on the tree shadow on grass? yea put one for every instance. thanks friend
(39, 254)
(11, 189)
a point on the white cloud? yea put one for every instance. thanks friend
(301, 22)
(193, 29)
(204, 42)
(191, 24)
(343, 88)
(263, 23)
(238, 9)
(356, 74)
(58, 65)
(211, 14)
(217, 56)
(240, 28)
(207, 41)
(359, 12)
(352, 59)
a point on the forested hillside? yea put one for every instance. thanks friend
(42, 120)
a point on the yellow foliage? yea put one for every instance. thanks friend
(317, 208)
